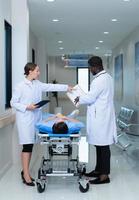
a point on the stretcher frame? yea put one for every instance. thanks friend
(60, 145)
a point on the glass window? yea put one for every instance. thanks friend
(8, 63)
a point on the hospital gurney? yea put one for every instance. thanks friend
(59, 161)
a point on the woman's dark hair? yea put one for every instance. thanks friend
(29, 67)
(60, 127)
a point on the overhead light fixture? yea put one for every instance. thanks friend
(97, 48)
(61, 48)
(106, 32)
(60, 41)
(55, 20)
(50, 0)
(114, 20)
(107, 54)
(100, 41)
(126, 0)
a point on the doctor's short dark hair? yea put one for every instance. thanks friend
(60, 128)
(29, 67)
(95, 61)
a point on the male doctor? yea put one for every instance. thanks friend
(101, 126)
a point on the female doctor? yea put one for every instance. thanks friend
(25, 96)
(101, 126)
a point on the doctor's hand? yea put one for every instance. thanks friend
(76, 100)
(31, 107)
(70, 88)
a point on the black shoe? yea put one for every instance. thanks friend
(29, 183)
(92, 174)
(98, 181)
(22, 176)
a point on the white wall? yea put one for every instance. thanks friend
(16, 13)
(20, 39)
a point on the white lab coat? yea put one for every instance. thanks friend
(101, 125)
(25, 93)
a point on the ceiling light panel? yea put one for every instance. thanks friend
(55, 20)
(106, 32)
(114, 20)
(50, 0)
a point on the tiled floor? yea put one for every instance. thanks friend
(124, 182)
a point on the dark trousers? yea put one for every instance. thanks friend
(103, 155)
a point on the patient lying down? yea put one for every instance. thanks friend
(60, 126)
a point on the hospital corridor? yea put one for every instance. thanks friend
(69, 106)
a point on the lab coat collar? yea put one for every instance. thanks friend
(28, 81)
(100, 73)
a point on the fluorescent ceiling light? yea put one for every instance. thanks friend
(100, 41)
(60, 41)
(106, 32)
(97, 48)
(61, 48)
(114, 20)
(126, 0)
(55, 20)
(50, 0)
(107, 54)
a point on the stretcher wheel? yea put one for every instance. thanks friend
(84, 189)
(40, 188)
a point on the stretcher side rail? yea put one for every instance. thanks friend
(45, 138)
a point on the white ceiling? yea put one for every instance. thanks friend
(82, 23)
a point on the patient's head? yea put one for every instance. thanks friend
(60, 127)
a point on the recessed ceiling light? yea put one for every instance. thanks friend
(100, 41)
(50, 0)
(126, 0)
(106, 32)
(114, 20)
(107, 54)
(60, 41)
(55, 20)
(97, 48)
(61, 48)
